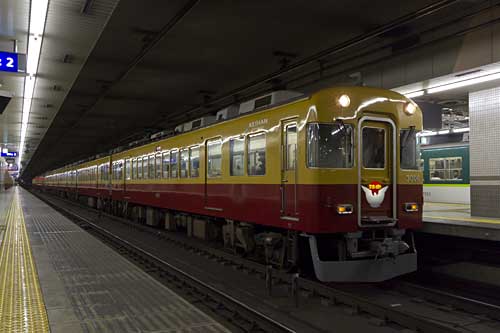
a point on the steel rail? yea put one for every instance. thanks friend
(443, 297)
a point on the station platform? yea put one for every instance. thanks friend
(56, 277)
(456, 220)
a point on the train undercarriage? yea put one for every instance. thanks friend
(370, 255)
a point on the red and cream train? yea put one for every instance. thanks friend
(331, 178)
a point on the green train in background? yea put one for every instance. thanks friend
(446, 173)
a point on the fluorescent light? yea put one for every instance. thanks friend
(464, 83)
(38, 16)
(414, 94)
(461, 130)
(443, 132)
(35, 45)
(29, 86)
(428, 133)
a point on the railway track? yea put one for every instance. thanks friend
(226, 306)
(360, 300)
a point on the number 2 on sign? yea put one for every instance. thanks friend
(10, 62)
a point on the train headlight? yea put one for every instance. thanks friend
(410, 108)
(344, 209)
(411, 207)
(344, 101)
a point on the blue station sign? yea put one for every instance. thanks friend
(9, 154)
(9, 62)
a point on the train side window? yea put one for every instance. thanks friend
(214, 158)
(139, 168)
(237, 157)
(158, 168)
(446, 168)
(166, 164)
(257, 154)
(174, 166)
(119, 170)
(194, 161)
(145, 168)
(134, 168)
(127, 169)
(184, 160)
(151, 168)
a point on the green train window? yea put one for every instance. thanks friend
(445, 168)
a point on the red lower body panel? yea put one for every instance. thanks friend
(261, 203)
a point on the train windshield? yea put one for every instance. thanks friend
(329, 145)
(409, 149)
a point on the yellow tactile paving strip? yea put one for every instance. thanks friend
(21, 302)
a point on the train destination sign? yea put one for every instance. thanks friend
(9, 62)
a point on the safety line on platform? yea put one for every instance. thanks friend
(22, 308)
(463, 219)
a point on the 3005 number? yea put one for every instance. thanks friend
(412, 178)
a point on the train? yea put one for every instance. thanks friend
(329, 181)
(6, 180)
(446, 170)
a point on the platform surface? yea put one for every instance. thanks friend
(456, 220)
(88, 287)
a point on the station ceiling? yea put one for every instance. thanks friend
(156, 64)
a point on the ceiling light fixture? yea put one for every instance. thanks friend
(415, 94)
(461, 130)
(464, 83)
(38, 16)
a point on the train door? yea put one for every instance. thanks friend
(289, 136)
(377, 172)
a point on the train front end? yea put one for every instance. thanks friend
(362, 157)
